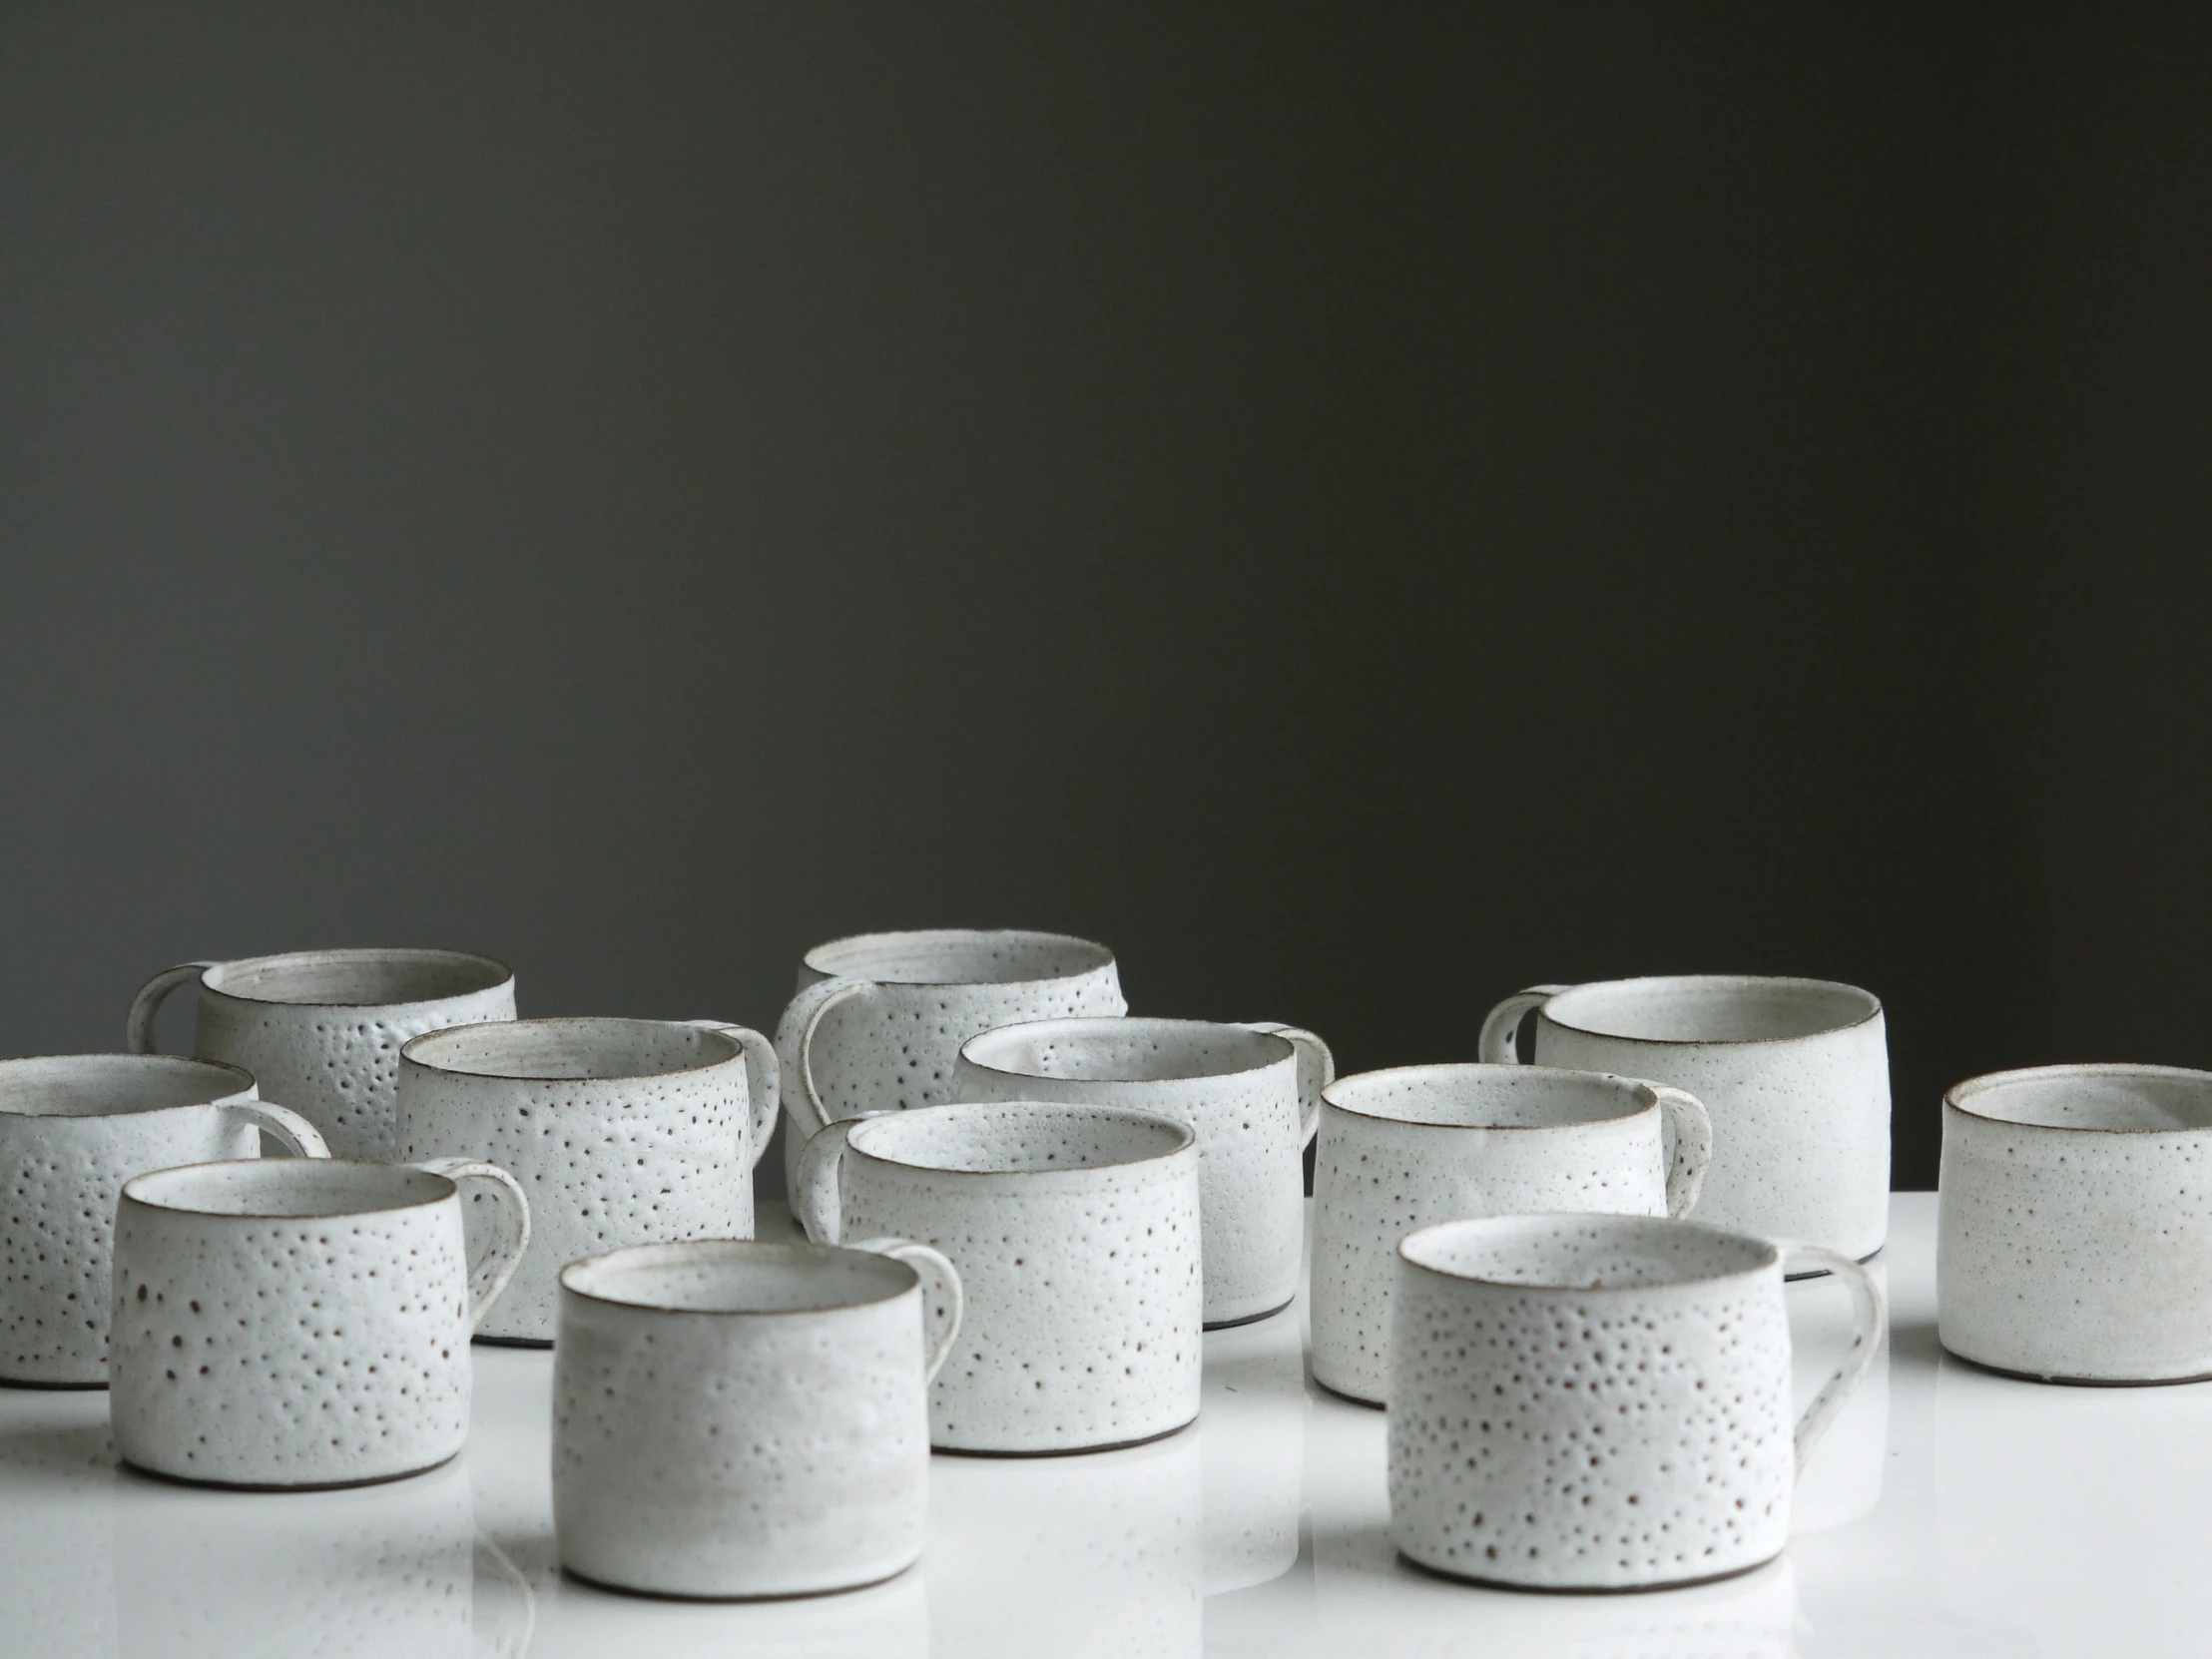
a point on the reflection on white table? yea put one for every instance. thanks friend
(1948, 1512)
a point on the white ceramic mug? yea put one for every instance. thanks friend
(323, 1029)
(2074, 1239)
(72, 1129)
(296, 1323)
(1601, 1403)
(1075, 1233)
(1250, 1092)
(623, 1131)
(1795, 1073)
(747, 1420)
(1407, 1147)
(879, 1017)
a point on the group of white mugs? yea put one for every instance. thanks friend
(1585, 1389)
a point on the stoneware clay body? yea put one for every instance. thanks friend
(1795, 1073)
(747, 1420)
(879, 1017)
(72, 1129)
(322, 1029)
(1601, 1403)
(2074, 1243)
(1252, 1093)
(1404, 1149)
(1075, 1232)
(622, 1131)
(300, 1323)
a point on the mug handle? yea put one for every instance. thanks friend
(1689, 1146)
(1870, 1317)
(488, 1274)
(1317, 1069)
(1501, 1040)
(763, 1082)
(795, 1045)
(138, 1029)
(304, 1139)
(815, 1199)
(942, 1300)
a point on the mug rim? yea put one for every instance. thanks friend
(1636, 1085)
(1084, 1024)
(250, 1086)
(1770, 1253)
(1733, 981)
(503, 974)
(720, 1250)
(1185, 1147)
(1104, 953)
(492, 1030)
(1996, 1082)
(279, 1167)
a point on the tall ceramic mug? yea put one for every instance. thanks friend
(622, 1131)
(1795, 1073)
(323, 1029)
(747, 1420)
(1075, 1233)
(879, 1017)
(2074, 1238)
(1602, 1402)
(72, 1129)
(290, 1324)
(1405, 1149)
(1250, 1092)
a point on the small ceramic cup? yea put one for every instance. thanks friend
(2074, 1238)
(736, 1419)
(879, 1017)
(1601, 1403)
(288, 1324)
(72, 1129)
(1795, 1073)
(1250, 1092)
(323, 1029)
(623, 1131)
(1407, 1147)
(1075, 1233)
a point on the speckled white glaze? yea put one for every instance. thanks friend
(322, 1030)
(1408, 1148)
(1075, 1231)
(1601, 1403)
(300, 1322)
(2076, 1234)
(1795, 1073)
(747, 1420)
(1250, 1092)
(879, 1017)
(622, 1131)
(72, 1129)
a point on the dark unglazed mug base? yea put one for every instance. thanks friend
(1062, 1452)
(283, 1486)
(1249, 1318)
(1479, 1582)
(53, 1388)
(2079, 1381)
(1823, 1272)
(612, 1587)
(513, 1342)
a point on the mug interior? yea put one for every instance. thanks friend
(573, 1050)
(1471, 1096)
(1585, 1252)
(105, 1085)
(1711, 1009)
(288, 1188)
(2124, 1098)
(730, 1276)
(1121, 1050)
(357, 979)
(1018, 1137)
(959, 956)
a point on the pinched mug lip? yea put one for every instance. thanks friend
(1760, 1256)
(1101, 956)
(1645, 1094)
(1870, 1011)
(1958, 1096)
(498, 972)
(1073, 1028)
(420, 1050)
(145, 1188)
(244, 1087)
(729, 1250)
(1185, 1138)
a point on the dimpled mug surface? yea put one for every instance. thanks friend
(1075, 1233)
(2074, 1232)
(1251, 1093)
(1403, 1149)
(879, 1017)
(1601, 1403)
(1794, 1074)
(322, 1030)
(747, 1420)
(72, 1129)
(622, 1131)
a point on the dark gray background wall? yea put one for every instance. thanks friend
(1359, 508)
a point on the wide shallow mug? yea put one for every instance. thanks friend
(2074, 1238)
(1075, 1232)
(1407, 1147)
(294, 1323)
(1602, 1402)
(72, 1129)
(747, 1420)
(622, 1131)
(879, 1017)
(1252, 1093)
(1794, 1072)
(322, 1029)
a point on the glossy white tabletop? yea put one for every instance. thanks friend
(1948, 1512)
